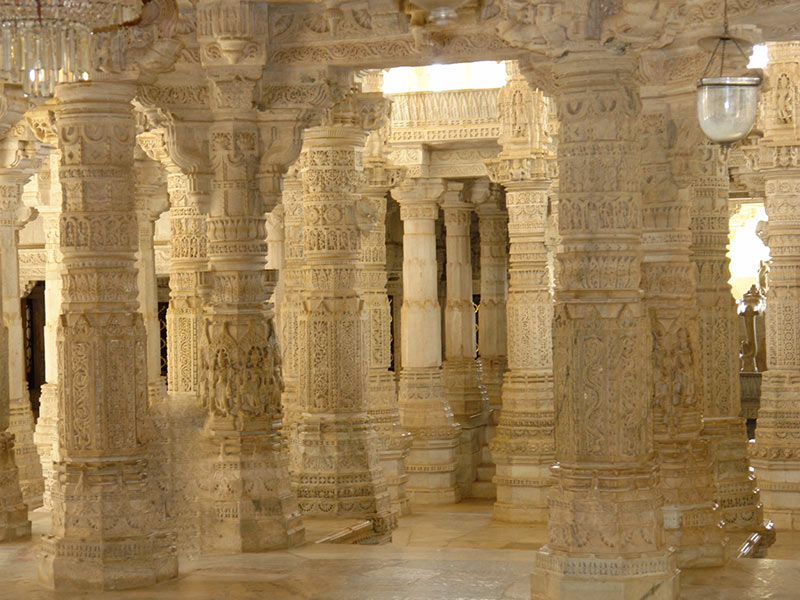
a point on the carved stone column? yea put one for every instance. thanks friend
(493, 234)
(523, 446)
(702, 173)
(178, 147)
(14, 215)
(690, 519)
(776, 455)
(492, 347)
(14, 154)
(394, 441)
(104, 519)
(151, 200)
(424, 410)
(46, 433)
(605, 531)
(291, 279)
(338, 472)
(460, 370)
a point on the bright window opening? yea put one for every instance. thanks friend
(439, 78)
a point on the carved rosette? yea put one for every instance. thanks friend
(102, 401)
(337, 469)
(668, 281)
(605, 506)
(777, 449)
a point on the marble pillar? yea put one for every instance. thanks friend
(247, 505)
(691, 521)
(46, 435)
(493, 239)
(14, 215)
(461, 370)
(338, 470)
(605, 527)
(424, 411)
(523, 446)
(701, 171)
(291, 281)
(15, 155)
(776, 454)
(106, 529)
(492, 346)
(394, 441)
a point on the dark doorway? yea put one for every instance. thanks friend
(33, 321)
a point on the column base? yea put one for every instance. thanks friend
(559, 576)
(467, 398)
(696, 538)
(432, 467)
(248, 505)
(736, 491)
(25, 454)
(522, 492)
(433, 458)
(45, 437)
(14, 524)
(80, 565)
(393, 441)
(338, 473)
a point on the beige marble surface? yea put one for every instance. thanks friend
(438, 553)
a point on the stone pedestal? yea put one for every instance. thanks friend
(107, 531)
(461, 370)
(424, 410)
(605, 528)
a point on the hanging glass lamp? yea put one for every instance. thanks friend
(440, 12)
(726, 105)
(43, 42)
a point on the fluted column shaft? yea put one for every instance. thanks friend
(424, 410)
(605, 506)
(101, 339)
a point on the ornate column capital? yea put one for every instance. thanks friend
(419, 198)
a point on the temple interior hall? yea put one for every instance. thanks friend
(393, 300)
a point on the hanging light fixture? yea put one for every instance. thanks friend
(440, 12)
(726, 105)
(43, 42)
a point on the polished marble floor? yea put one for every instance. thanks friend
(445, 553)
